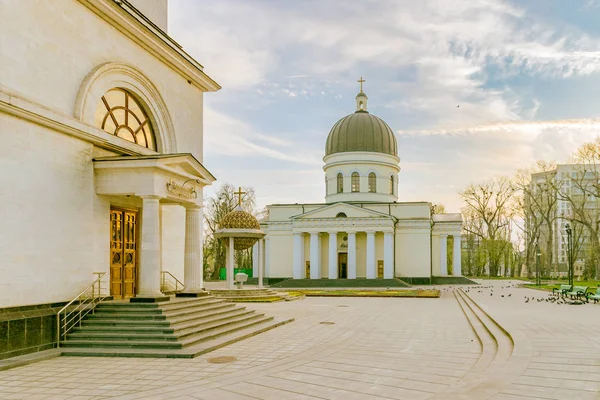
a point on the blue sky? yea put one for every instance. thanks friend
(526, 75)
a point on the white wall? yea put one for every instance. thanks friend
(72, 41)
(412, 257)
(281, 248)
(364, 163)
(49, 231)
(173, 239)
(155, 10)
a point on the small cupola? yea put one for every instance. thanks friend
(361, 98)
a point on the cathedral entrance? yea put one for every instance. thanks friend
(123, 253)
(343, 265)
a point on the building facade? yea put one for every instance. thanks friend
(362, 230)
(101, 117)
(557, 193)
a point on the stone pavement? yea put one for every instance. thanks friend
(377, 348)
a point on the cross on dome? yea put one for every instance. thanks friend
(361, 98)
(361, 80)
(239, 194)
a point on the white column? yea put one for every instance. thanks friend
(192, 264)
(267, 256)
(456, 257)
(351, 255)
(150, 266)
(371, 255)
(388, 255)
(443, 255)
(260, 263)
(299, 270)
(230, 263)
(315, 255)
(333, 256)
(255, 260)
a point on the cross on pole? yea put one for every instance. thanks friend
(361, 80)
(239, 194)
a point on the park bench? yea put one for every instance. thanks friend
(594, 296)
(564, 289)
(577, 292)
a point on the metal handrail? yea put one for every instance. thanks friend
(80, 306)
(163, 282)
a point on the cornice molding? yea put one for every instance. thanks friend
(30, 111)
(153, 40)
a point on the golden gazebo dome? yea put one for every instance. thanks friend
(239, 219)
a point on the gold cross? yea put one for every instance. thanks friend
(361, 80)
(239, 193)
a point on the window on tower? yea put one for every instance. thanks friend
(355, 182)
(372, 183)
(340, 183)
(392, 184)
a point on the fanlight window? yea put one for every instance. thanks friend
(372, 183)
(341, 215)
(119, 114)
(392, 184)
(355, 182)
(340, 183)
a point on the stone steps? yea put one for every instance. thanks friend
(164, 329)
(191, 351)
(165, 342)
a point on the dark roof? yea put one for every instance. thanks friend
(361, 131)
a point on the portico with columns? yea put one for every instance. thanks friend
(147, 183)
(362, 230)
(446, 241)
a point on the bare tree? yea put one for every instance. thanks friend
(583, 198)
(537, 205)
(438, 209)
(489, 205)
(217, 207)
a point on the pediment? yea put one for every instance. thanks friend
(183, 165)
(333, 210)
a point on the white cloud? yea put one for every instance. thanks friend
(447, 54)
(437, 163)
(228, 136)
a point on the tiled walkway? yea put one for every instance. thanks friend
(377, 348)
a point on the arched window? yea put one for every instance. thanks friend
(355, 182)
(392, 184)
(372, 183)
(341, 215)
(340, 183)
(120, 114)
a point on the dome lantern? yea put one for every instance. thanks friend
(361, 98)
(361, 131)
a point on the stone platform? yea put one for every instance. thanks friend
(479, 342)
(340, 283)
(252, 295)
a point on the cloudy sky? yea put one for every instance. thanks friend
(525, 73)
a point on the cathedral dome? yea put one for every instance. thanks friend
(361, 131)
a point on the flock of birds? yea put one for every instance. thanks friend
(550, 298)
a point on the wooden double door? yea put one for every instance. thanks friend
(343, 265)
(123, 253)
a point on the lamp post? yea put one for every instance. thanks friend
(569, 253)
(538, 254)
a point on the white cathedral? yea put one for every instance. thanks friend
(101, 149)
(362, 230)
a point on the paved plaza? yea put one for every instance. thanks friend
(368, 348)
